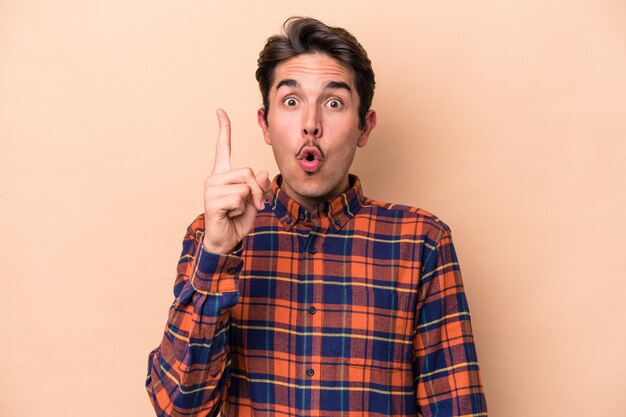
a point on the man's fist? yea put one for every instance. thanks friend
(232, 197)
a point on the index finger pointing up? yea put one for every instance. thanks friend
(222, 147)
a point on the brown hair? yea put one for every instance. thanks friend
(305, 35)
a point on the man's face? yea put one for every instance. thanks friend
(313, 126)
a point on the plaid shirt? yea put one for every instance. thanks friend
(355, 309)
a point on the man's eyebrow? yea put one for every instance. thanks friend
(338, 84)
(288, 83)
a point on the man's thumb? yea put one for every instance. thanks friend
(263, 179)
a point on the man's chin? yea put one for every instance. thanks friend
(313, 188)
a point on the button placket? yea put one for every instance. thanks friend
(311, 240)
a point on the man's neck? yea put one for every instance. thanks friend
(312, 203)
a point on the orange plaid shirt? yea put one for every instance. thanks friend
(355, 309)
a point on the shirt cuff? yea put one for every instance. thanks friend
(216, 273)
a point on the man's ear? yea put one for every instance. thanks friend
(370, 124)
(260, 118)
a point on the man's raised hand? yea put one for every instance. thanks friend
(232, 197)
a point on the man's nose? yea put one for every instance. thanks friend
(311, 124)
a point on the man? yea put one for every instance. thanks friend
(313, 300)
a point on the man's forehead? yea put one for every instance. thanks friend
(312, 68)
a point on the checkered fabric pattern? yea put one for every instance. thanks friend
(356, 309)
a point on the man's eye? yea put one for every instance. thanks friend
(290, 102)
(334, 103)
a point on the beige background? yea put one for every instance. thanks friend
(507, 119)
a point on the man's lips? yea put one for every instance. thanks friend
(310, 159)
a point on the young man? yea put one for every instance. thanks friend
(314, 300)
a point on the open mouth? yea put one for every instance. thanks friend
(310, 159)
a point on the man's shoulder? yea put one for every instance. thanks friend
(406, 215)
(196, 228)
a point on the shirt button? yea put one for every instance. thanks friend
(302, 216)
(310, 372)
(312, 310)
(232, 271)
(288, 221)
(337, 222)
(312, 251)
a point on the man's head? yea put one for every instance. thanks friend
(304, 35)
(317, 85)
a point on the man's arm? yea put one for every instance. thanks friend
(188, 373)
(446, 367)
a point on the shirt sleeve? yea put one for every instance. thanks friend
(446, 366)
(188, 374)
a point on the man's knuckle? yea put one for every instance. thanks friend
(211, 179)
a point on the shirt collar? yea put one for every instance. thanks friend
(338, 210)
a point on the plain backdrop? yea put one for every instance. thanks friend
(507, 119)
